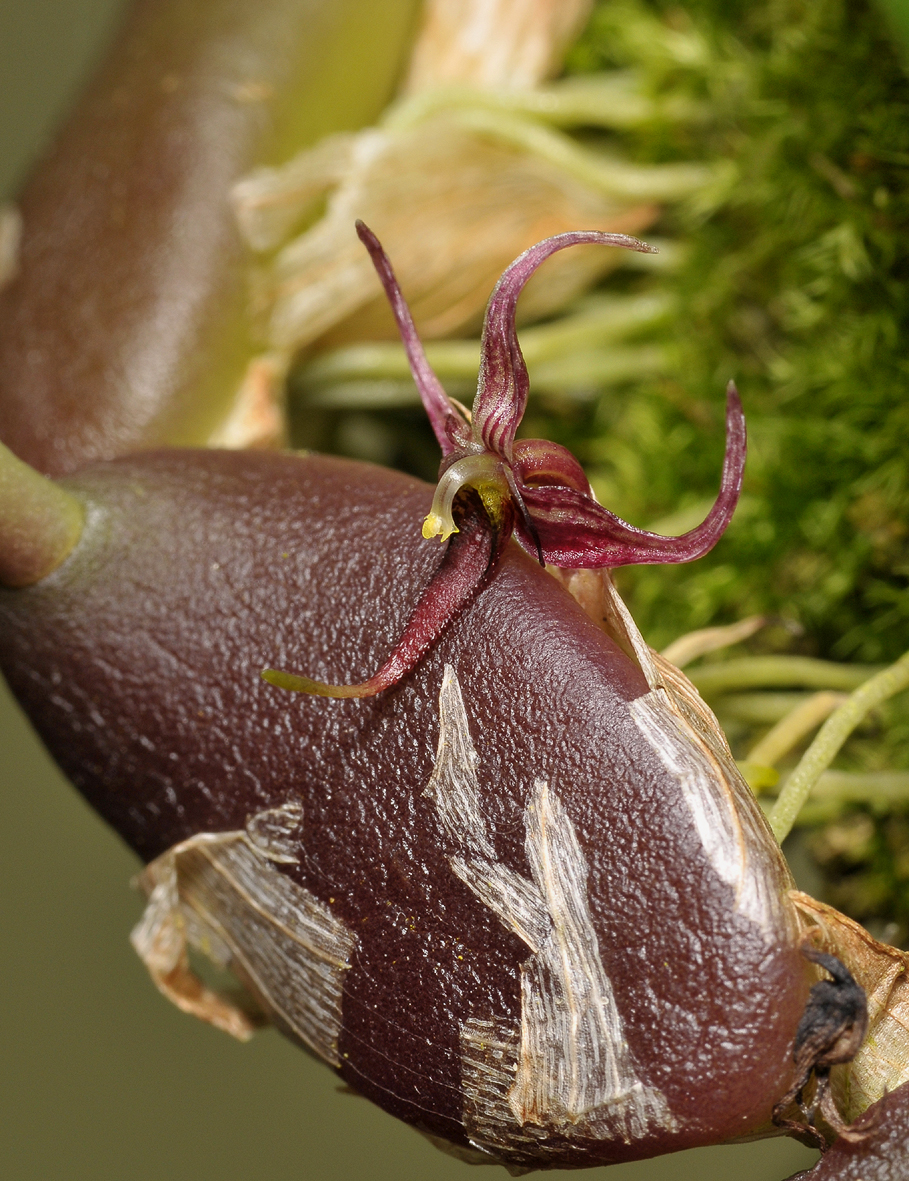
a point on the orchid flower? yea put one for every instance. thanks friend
(492, 486)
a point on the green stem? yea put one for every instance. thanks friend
(779, 672)
(578, 377)
(878, 788)
(756, 709)
(881, 791)
(571, 356)
(791, 729)
(822, 751)
(614, 99)
(711, 639)
(613, 176)
(597, 321)
(40, 523)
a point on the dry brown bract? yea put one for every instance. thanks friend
(881, 1063)
(829, 1034)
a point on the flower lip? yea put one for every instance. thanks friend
(575, 532)
(494, 487)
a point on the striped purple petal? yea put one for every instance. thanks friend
(540, 462)
(502, 390)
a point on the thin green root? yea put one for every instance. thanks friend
(823, 750)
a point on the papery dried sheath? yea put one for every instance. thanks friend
(493, 43)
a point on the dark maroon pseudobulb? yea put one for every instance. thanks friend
(883, 1156)
(128, 324)
(139, 659)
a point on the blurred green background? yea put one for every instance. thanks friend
(101, 1077)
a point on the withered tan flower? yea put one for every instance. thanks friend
(463, 173)
(489, 43)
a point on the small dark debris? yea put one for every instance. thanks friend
(830, 1032)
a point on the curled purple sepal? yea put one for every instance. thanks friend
(574, 532)
(504, 384)
(491, 486)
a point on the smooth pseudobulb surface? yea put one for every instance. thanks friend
(126, 324)
(138, 662)
(883, 1156)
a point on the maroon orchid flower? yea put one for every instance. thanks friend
(492, 486)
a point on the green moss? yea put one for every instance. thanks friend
(797, 285)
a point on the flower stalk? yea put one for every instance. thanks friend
(470, 557)
(40, 522)
(778, 672)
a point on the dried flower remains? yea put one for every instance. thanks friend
(492, 486)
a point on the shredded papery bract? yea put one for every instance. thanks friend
(492, 486)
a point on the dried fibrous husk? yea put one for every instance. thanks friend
(453, 208)
(221, 894)
(270, 201)
(455, 186)
(512, 43)
(882, 1063)
(256, 417)
(747, 856)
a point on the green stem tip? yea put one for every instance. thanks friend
(297, 684)
(40, 522)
